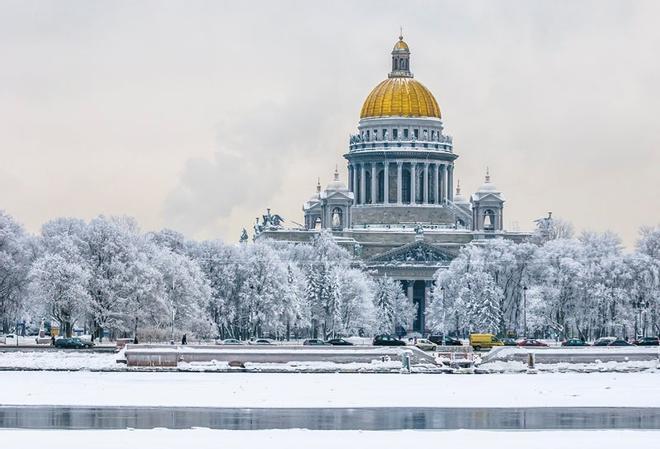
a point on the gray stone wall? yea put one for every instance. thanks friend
(401, 214)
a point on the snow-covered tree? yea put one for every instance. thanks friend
(393, 308)
(60, 288)
(15, 260)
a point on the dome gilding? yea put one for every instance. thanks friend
(403, 97)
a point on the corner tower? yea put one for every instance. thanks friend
(400, 164)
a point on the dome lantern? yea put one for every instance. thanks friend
(401, 60)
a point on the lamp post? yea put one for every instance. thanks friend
(640, 306)
(525, 311)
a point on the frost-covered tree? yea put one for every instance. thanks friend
(393, 308)
(15, 260)
(60, 288)
(357, 314)
(186, 292)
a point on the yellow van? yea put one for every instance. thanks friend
(484, 341)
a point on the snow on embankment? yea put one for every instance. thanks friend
(587, 359)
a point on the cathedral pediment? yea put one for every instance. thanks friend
(337, 195)
(417, 253)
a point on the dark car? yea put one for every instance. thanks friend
(531, 342)
(339, 342)
(387, 340)
(574, 342)
(72, 343)
(449, 341)
(648, 341)
(620, 342)
(314, 342)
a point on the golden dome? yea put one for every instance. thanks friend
(400, 45)
(400, 97)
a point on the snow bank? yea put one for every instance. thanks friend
(286, 439)
(329, 390)
(59, 360)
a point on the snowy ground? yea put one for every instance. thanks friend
(60, 360)
(276, 439)
(328, 390)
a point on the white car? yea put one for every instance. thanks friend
(8, 339)
(425, 345)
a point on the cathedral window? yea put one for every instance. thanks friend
(416, 133)
(395, 134)
(405, 133)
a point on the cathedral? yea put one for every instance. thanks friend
(398, 211)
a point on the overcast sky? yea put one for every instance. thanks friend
(197, 115)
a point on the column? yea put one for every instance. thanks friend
(350, 177)
(399, 179)
(354, 188)
(426, 183)
(409, 292)
(386, 183)
(437, 184)
(443, 183)
(374, 183)
(363, 184)
(450, 183)
(413, 182)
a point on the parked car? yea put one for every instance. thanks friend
(484, 341)
(231, 341)
(619, 342)
(425, 345)
(8, 339)
(508, 341)
(531, 342)
(339, 342)
(72, 343)
(262, 341)
(604, 341)
(449, 341)
(387, 340)
(574, 342)
(313, 342)
(648, 341)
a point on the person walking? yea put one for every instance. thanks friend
(184, 340)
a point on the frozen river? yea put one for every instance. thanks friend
(372, 418)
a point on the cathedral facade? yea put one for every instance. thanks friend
(398, 211)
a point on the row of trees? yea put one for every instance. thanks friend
(553, 285)
(107, 275)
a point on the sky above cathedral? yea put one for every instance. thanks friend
(197, 115)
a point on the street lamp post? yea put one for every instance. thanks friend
(525, 310)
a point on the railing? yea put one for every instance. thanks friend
(444, 143)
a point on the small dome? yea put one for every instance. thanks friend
(459, 198)
(336, 185)
(401, 45)
(487, 186)
(404, 97)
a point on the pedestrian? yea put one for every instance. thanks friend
(52, 340)
(135, 340)
(184, 340)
